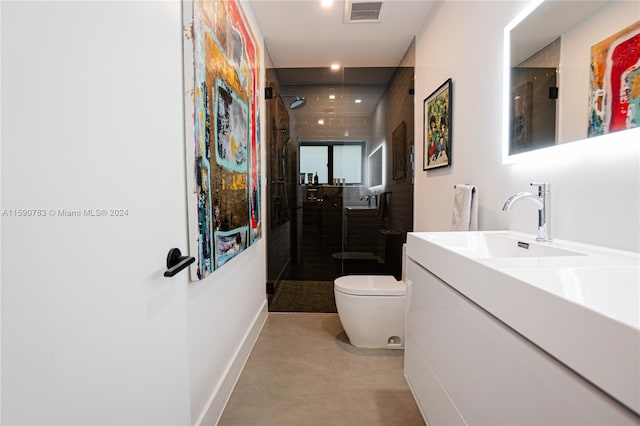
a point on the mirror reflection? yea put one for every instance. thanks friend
(567, 80)
(534, 93)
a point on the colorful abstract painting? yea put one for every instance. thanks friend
(614, 97)
(223, 139)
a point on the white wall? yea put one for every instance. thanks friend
(595, 191)
(92, 333)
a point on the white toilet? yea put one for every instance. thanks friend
(372, 309)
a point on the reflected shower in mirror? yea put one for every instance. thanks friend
(550, 95)
(534, 92)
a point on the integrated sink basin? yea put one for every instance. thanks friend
(615, 289)
(481, 245)
(579, 303)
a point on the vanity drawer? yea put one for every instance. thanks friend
(434, 403)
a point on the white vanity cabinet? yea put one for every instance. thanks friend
(464, 366)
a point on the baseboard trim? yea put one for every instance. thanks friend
(221, 394)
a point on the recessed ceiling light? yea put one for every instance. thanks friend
(321, 122)
(326, 3)
(358, 101)
(332, 96)
(335, 67)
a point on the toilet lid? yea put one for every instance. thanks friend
(370, 285)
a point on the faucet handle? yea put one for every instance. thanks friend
(542, 187)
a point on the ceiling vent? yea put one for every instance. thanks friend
(362, 11)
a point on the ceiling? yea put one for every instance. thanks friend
(302, 33)
(361, 76)
(303, 39)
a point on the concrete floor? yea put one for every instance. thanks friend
(303, 371)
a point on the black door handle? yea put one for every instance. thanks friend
(176, 262)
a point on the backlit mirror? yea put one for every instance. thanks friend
(561, 83)
(375, 166)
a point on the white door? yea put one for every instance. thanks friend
(93, 197)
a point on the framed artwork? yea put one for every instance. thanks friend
(221, 65)
(399, 144)
(437, 128)
(614, 98)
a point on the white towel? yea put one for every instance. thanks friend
(465, 208)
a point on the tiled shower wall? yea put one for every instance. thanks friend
(340, 123)
(397, 105)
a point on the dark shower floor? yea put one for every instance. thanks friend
(304, 296)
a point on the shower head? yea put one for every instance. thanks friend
(299, 102)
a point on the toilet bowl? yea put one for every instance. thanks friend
(371, 309)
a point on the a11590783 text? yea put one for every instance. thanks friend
(65, 212)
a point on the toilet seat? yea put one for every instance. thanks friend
(370, 285)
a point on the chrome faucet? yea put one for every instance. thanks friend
(370, 197)
(543, 202)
